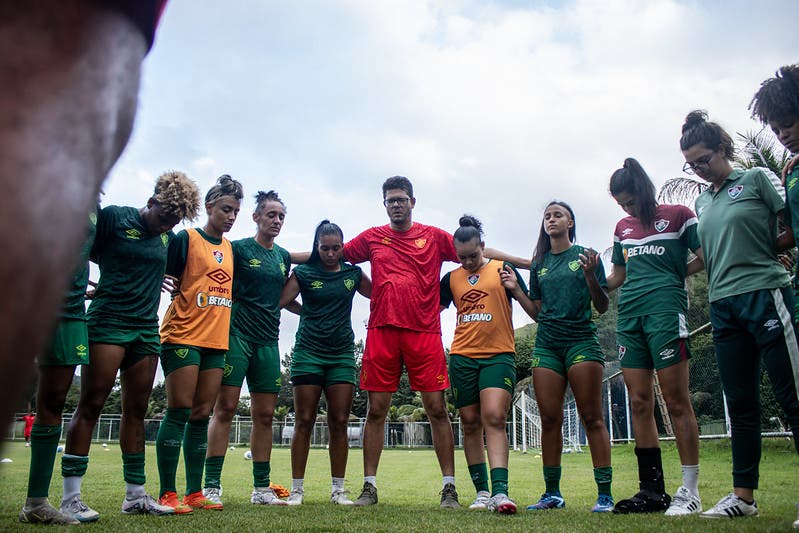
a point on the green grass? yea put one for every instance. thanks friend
(408, 484)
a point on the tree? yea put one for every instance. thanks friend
(158, 404)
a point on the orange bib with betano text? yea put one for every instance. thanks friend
(200, 314)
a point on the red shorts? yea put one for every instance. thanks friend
(389, 347)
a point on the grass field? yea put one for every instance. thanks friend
(408, 484)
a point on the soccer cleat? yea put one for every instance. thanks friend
(368, 495)
(684, 502)
(170, 499)
(145, 504)
(213, 494)
(644, 501)
(500, 503)
(548, 501)
(75, 508)
(266, 496)
(339, 497)
(480, 503)
(604, 504)
(449, 497)
(44, 513)
(196, 500)
(796, 522)
(295, 497)
(731, 506)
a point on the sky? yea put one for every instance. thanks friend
(490, 108)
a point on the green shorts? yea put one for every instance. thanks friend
(653, 341)
(471, 375)
(69, 346)
(322, 369)
(174, 356)
(561, 358)
(139, 342)
(259, 363)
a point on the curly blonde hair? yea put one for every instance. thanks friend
(177, 195)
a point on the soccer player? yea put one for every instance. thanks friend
(68, 349)
(482, 366)
(70, 79)
(261, 268)
(404, 328)
(565, 279)
(323, 358)
(650, 251)
(751, 302)
(194, 339)
(131, 250)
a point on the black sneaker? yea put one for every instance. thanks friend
(368, 495)
(645, 501)
(449, 497)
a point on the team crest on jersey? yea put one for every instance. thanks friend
(473, 279)
(792, 182)
(386, 240)
(574, 266)
(283, 268)
(661, 224)
(626, 232)
(316, 284)
(133, 234)
(441, 379)
(420, 243)
(735, 191)
(219, 256)
(254, 263)
(349, 283)
(93, 217)
(543, 272)
(622, 351)
(164, 239)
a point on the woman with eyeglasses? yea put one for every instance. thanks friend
(650, 251)
(751, 302)
(565, 280)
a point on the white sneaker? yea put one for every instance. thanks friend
(75, 508)
(213, 494)
(295, 498)
(684, 502)
(796, 523)
(266, 496)
(500, 503)
(731, 506)
(480, 503)
(339, 497)
(145, 504)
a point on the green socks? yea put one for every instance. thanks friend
(479, 475)
(603, 476)
(499, 481)
(133, 468)
(44, 442)
(552, 479)
(167, 446)
(260, 474)
(195, 445)
(213, 471)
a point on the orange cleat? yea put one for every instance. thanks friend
(170, 499)
(196, 500)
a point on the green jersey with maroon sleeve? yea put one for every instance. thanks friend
(258, 278)
(325, 322)
(557, 280)
(132, 263)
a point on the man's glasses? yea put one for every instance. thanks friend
(396, 201)
(704, 162)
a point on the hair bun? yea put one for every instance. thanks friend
(693, 119)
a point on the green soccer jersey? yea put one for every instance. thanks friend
(738, 233)
(325, 323)
(654, 259)
(557, 280)
(792, 202)
(132, 263)
(75, 302)
(258, 279)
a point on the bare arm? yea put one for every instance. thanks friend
(531, 307)
(288, 297)
(618, 275)
(499, 255)
(365, 288)
(697, 264)
(589, 261)
(300, 258)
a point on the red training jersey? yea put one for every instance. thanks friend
(406, 270)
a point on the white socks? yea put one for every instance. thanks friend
(447, 479)
(690, 478)
(370, 479)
